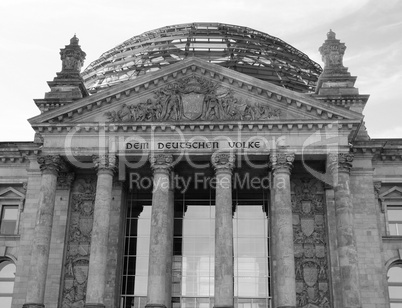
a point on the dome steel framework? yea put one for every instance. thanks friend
(242, 49)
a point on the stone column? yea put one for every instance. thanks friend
(106, 165)
(224, 292)
(161, 238)
(50, 166)
(340, 165)
(282, 231)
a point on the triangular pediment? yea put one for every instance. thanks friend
(194, 90)
(11, 193)
(392, 193)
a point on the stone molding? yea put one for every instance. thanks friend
(281, 161)
(223, 162)
(161, 162)
(340, 162)
(51, 164)
(105, 162)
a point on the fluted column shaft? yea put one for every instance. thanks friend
(161, 238)
(340, 165)
(282, 231)
(105, 165)
(50, 166)
(224, 289)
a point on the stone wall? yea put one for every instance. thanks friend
(368, 238)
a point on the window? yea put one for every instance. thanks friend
(394, 215)
(395, 285)
(7, 276)
(8, 223)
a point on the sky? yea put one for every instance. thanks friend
(33, 31)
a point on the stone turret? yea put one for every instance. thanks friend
(68, 85)
(335, 85)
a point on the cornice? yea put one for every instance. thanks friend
(17, 152)
(151, 81)
(274, 125)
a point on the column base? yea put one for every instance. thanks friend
(33, 305)
(155, 306)
(94, 305)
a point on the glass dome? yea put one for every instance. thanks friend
(238, 48)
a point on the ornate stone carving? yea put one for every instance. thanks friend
(161, 162)
(281, 160)
(105, 162)
(72, 56)
(78, 243)
(51, 163)
(65, 179)
(311, 261)
(332, 52)
(223, 161)
(341, 162)
(193, 98)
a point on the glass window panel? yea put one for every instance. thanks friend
(395, 274)
(141, 266)
(247, 227)
(146, 212)
(10, 212)
(7, 270)
(395, 292)
(392, 229)
(249, 211)
(247, 286)
(201, 227)
(143, 246)
(144, 227)
(394, 214)
(250, 247)
(141, 283)
(198, 212)
(202, 266)
(8, 227)
(188, 302)
(251, 267)
(5, 302)
(196, 286)
(198, 246)
(6, 286)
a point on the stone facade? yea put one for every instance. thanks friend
(331, 241)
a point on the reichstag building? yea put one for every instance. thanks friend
(201, 165)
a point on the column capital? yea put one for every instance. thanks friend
(281, 161)
(51, 164)
(105, 162)
(340, 162)
(161, 162)
(223, 161)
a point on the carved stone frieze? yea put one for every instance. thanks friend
(193, 98)
(310, 243)
(78, 243)
(65, 179)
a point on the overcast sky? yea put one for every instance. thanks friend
(33, 31)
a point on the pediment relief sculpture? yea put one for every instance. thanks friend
(193, 98)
